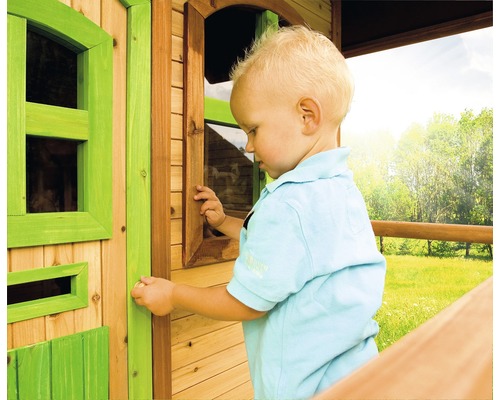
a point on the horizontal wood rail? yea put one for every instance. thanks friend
(428, 231)
(448, 357)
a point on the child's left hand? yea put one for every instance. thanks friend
(156, 295)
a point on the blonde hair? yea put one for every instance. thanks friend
(300, 62)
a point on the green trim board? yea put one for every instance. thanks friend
(138, 159)
(78, 298)
(74, 366)
(91, 123)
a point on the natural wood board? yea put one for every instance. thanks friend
(196, 349)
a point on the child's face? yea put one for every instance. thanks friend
(272, 124)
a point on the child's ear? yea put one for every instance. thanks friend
(309, 109)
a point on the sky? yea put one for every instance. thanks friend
(397, 87)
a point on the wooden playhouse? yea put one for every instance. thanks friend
(116, 109)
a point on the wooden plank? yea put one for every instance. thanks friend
(90, 317)
(59, 324)
(175, 205)
(217, 385)
(177, 100)
(242, 392)
(177, 74)
(176, 132)
(67, 368)
(176, 257)
(114, 255)
(277, 6)
(188, 328)
(177, 24)
(176, 181)
(448, 357)
(176, 150)
(34, 371)
(454, 27)
(199, 371)
(197, 348)
(160, 186)
(90, 9)
(177, 49)
(176, 231)
(138, 196)
(315, 15)
(96, 363)
(431, 231)
(208, 275)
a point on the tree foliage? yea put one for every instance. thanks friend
(441, 172)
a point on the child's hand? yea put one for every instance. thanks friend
(155, 294)
(212, 207)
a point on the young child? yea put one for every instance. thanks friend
(309, 278)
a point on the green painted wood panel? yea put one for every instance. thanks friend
(67, 368)
(34, 372)
(16, 94)
(52, 16)
(92, 124)
(139, 196)
(71, 367)
(96, 364)
(56, 122)
(12, 393)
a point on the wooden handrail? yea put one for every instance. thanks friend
(428, 231)
(448, 357)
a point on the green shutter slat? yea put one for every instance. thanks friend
(33, 371)
(67, 368)
(12, 393)
(96, 365)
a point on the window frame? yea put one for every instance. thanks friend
(91, 123)
(196, 249)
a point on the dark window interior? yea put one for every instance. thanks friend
(228, 33)
(38, 290)
(51, 174)
(51, 72)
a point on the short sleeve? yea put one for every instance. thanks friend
(274, 260)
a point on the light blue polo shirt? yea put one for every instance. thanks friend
(308, 256)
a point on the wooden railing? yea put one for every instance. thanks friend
(448, 357)
(445, 232)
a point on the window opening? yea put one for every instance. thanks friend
(51, 174)
(38, 290)
(51, 72)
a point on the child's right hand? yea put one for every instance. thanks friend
(156, 294)
(211, 208)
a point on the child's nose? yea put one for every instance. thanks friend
(249, 147)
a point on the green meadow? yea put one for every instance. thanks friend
(417, 288)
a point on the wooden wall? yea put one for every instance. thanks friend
(106, 259)
(208, 357)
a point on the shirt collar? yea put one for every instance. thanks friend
(319, 166)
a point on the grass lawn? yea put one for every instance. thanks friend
(417, 288)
